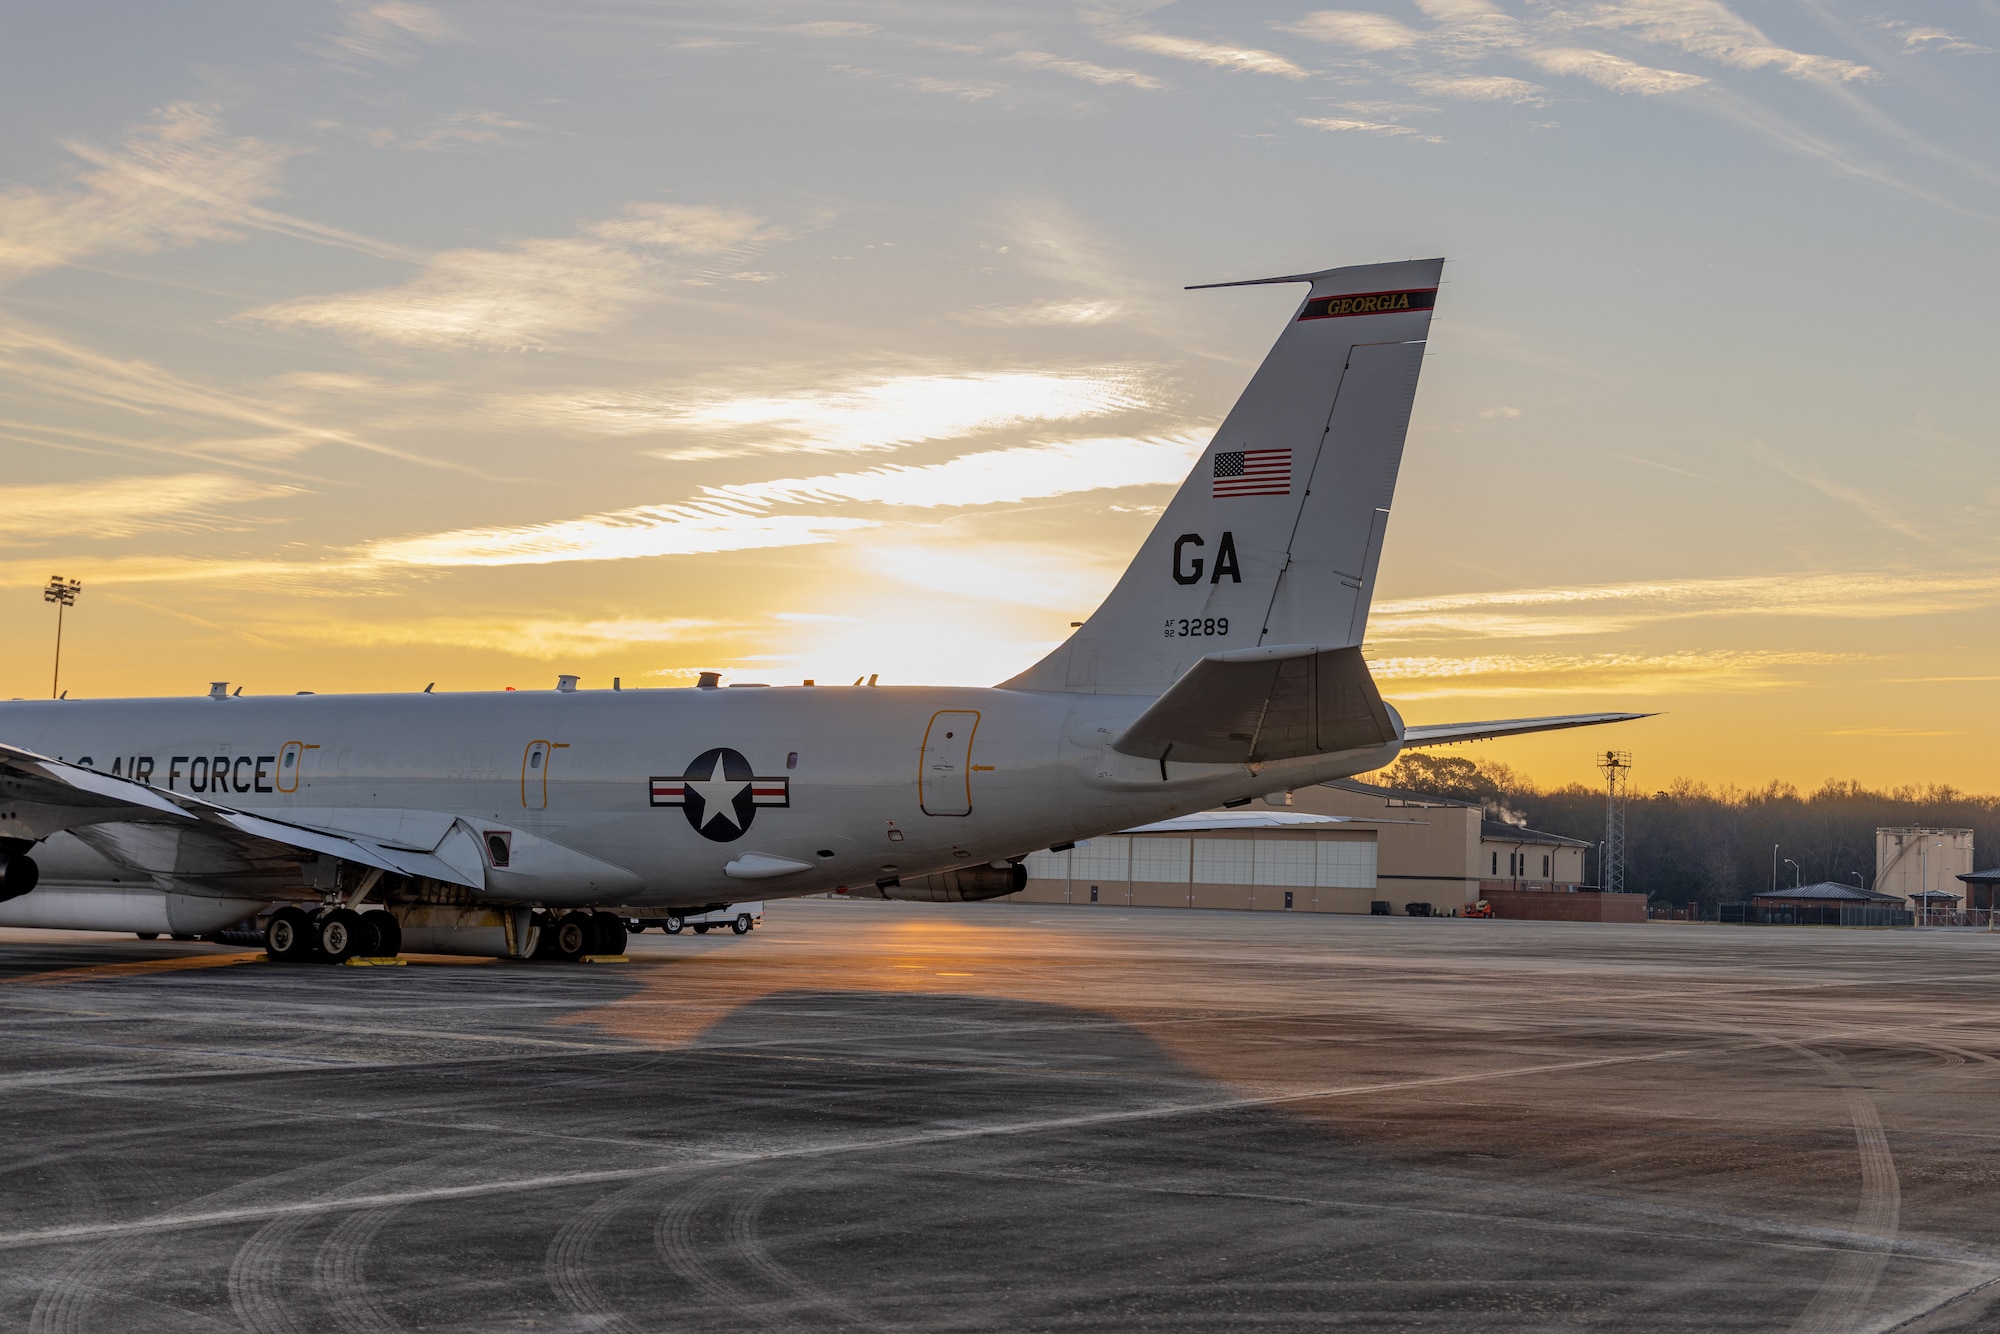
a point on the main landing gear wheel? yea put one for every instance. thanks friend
(568, 936)
(607, 932)
(741, 926)
(341, 935)
(673, 924)
(388, 934)
(288, 936)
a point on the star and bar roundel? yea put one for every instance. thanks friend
(720, 794)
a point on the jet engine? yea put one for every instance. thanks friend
(18, 875)
(968, 884)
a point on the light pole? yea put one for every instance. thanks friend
(1798, 877)
(1774, 868)
(63, 593)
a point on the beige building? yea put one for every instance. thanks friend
(1915, 859)
(1338, 848)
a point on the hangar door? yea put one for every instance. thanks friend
(944, 777)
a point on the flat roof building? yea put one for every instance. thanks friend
(1341, 847)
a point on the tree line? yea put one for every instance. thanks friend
(1691, 842)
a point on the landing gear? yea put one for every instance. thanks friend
(388, 934)
(567, 937)
(342, 935)
(607, 933)
(288, 936)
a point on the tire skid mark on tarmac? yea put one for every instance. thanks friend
(1840, 1304)
(674, 1238)
(566, 1264)
(340, 1273)
(258, 1278)
(742, 1230)
(831, 1148)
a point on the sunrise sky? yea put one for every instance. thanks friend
(358, 346)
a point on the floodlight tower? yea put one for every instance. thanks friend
(63, 593)
(1617, 768)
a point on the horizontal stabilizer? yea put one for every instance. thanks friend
(1444, 734)
(1271, 703)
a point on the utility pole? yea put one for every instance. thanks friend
(1617, 768)
(63, 593)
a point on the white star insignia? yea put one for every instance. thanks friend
(718, 795)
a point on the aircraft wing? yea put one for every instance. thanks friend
(178, 836)
(1444, 734)
(1269, 703)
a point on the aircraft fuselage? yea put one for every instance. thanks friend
(645, 797)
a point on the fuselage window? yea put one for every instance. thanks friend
(535, 760)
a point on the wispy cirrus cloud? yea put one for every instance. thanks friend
(114, 507)
(175, 181)
(630, 534)
(878, 412)
(1606, 608)
(1101, 75)
(1500, 675)
(156, 411)
(1219, 55)
(1712, 30)
(391, 33)
(545, 638)
(1919, 38)
(1388, 129)
(1464, 31)
(528, 293)
(992, 477)
(1478, 88)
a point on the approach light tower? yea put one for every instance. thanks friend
(63, 593)
(1617, 767)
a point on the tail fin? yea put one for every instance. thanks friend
(1274, 539)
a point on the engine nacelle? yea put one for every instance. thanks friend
(968, 884)
(18, 875)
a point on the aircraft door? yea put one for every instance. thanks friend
(291, 764)
(944, 778)
(535, 762)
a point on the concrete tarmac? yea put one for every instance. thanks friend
(880, 1116)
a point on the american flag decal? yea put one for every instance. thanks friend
(1252, 472)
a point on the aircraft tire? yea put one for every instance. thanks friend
(569, 936)
(672, 923)
(340, 935)
(388, 933)
(608, 933)
(741, 926)
(288, 936)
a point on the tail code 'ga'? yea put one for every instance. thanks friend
(1275, 537)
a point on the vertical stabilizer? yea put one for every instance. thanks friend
(1275, 537)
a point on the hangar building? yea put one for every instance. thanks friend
(1335, 848)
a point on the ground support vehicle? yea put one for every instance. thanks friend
(742, 918)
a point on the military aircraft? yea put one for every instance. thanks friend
(1225, 664)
